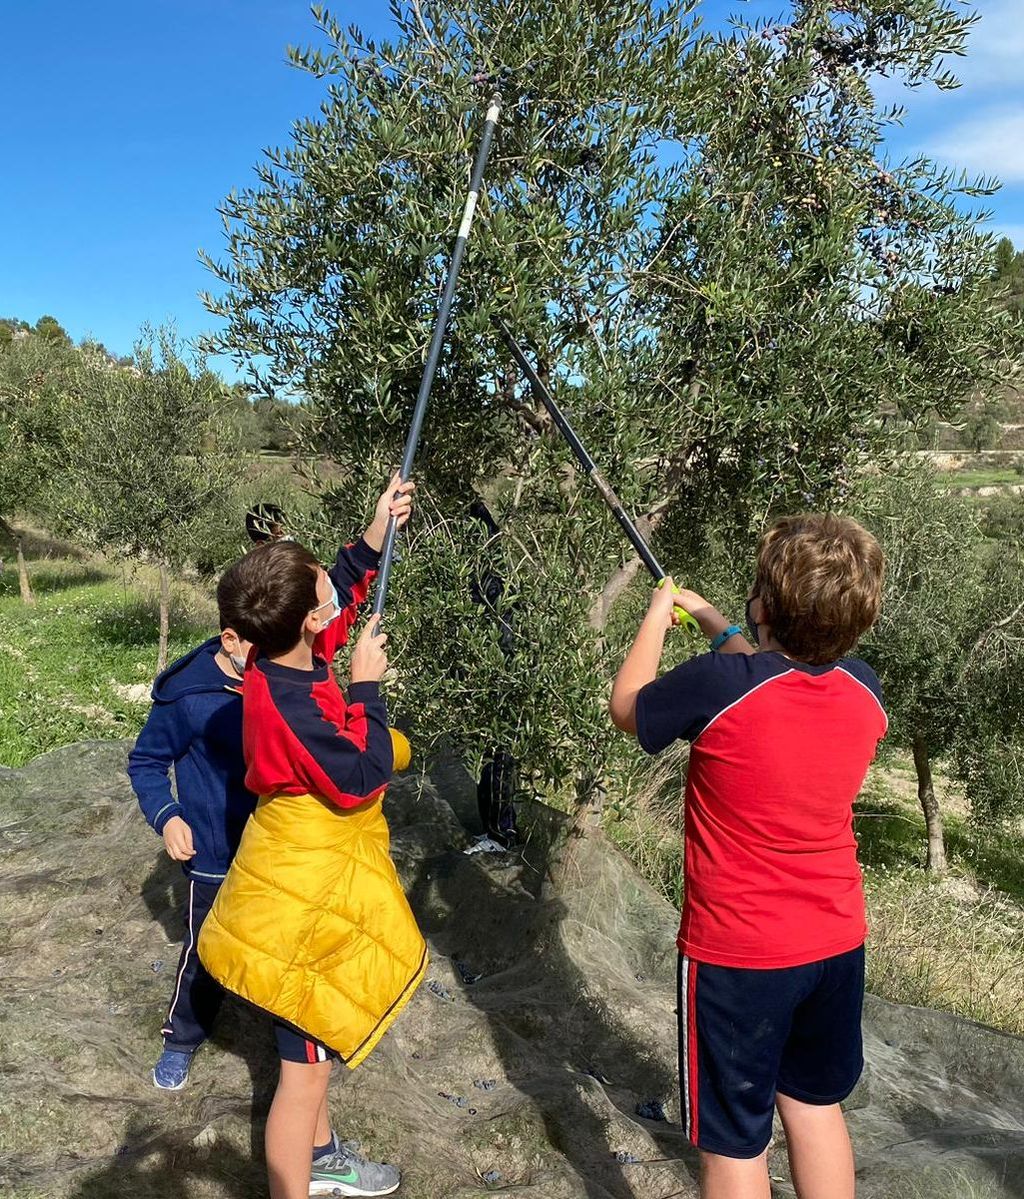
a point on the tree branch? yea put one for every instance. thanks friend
(626, 573)
(987, 633)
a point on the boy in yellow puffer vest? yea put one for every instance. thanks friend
(312, 923)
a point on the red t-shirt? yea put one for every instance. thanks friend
(779, 751)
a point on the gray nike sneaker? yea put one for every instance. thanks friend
(346, 1173)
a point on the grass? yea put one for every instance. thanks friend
(991, 477)
(69, 658)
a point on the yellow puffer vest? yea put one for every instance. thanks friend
(312, 923)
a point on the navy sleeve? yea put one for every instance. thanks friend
(860, 671)
(682, 703)
(348, 756)
(672, 707)
(864, 675)
(349, 572)
(164, 739)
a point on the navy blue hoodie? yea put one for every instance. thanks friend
(195, 725)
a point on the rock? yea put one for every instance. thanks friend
(134, 693)
(652, 1109)
(939, 1110)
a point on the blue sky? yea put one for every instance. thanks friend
(125, 124)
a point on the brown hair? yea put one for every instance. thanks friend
(266, 596)
(819, 578)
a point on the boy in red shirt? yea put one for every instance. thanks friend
(771, 967)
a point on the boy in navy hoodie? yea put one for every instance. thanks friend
(195, 726)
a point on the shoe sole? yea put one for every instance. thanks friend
(343, 1189)
(180, 1087)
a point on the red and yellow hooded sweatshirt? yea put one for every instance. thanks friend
(311, 923)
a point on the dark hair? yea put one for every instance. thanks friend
(819, 577)
(266, 596)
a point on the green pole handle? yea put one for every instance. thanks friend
(685, 618)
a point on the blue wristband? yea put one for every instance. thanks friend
(723, 637)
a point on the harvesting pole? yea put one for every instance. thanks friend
(437, 341)
(635, 537)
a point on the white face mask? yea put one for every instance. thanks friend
(334, 600)
(238, 663)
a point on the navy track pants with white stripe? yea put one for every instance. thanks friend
(196, 998)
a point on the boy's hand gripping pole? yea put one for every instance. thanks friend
(436, 341)
(636, 538)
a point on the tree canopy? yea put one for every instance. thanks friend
(740, 299)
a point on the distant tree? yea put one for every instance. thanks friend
(950, 612)
(1008, 275)
(988, 751)
(1005, 257)
(982, 430)
(146, 475)
(90, 345)
(239, 427)
(9, 326)
(280, 423)
(35, 373)
(50, 329)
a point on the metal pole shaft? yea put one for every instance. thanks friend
(436, 342)
(543, 393)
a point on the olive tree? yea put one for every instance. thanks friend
(143, 473)
(947, 648)
(34, 375)
(700, 239)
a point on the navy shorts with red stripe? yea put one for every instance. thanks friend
(747, 1035)
(293, 1045)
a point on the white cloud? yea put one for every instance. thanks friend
(994, 61)
(995, 48)
(990, 143)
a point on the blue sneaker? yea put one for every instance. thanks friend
(171, 1071)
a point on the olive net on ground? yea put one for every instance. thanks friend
(536, 1060)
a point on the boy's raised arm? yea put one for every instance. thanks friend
(352, 574)
(347, 756)
(658, 711)
(356, 565)
(641, 664)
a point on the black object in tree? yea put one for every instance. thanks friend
(634, 535)
(496, 789)
(436, 341)
(265, 522)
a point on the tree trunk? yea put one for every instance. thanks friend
(930, 807)
(165, 604)
(625, 574)
(586, 821)
(23, 583)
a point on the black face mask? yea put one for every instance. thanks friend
(751, 624)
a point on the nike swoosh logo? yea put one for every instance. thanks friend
(351, 1176)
